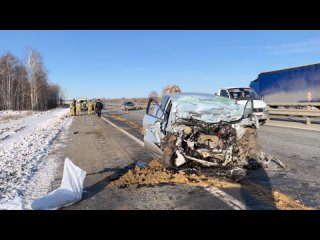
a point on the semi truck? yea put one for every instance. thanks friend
(290, 85)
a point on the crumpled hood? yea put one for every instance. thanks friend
(211, 110)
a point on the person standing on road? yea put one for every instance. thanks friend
(90, 105)
(94, 107)
(99, 107)
(78, 109)
(72, 109)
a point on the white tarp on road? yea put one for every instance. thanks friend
(69, 192)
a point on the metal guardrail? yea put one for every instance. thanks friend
(314, 104)
(307, 113)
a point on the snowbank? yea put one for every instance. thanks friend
(23, 145)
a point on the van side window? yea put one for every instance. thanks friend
(164, 102)
(168, 109)
(224, 93)
(160, 110)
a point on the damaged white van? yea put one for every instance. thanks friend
(202, 129)
(241, 95)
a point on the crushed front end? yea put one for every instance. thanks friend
(212, 133)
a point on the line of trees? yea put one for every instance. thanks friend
(25, 86)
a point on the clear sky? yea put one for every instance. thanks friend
(132, 63)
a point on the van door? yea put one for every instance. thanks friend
(248, 113)
(153, 124)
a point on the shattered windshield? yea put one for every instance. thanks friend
(208, 108)
(243, 93)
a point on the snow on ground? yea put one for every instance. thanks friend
(24, 145)
(8, 115)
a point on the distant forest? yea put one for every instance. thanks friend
(24, 85)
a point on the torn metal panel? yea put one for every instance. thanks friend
(180, 159)
(204, 163)
(231, 146)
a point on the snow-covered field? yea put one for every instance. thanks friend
(26, 170)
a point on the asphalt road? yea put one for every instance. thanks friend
(298, 149)
(106, 153)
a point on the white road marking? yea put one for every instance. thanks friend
(223, 196)
(226, 198)
(125, 132)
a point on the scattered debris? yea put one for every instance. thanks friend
(180, 160)
(155, 173)
(215, 145)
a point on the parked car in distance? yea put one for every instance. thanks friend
(128, 105)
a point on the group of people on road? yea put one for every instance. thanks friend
(92, 107)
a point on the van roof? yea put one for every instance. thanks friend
(233, 87)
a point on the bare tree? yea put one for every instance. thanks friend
(10, 73)
(26, 86)
(153, 94)
(22, 91)
(62, 96)
(37, 77)
(7, 63)
(53, 95)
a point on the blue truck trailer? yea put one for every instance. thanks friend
(291, 85)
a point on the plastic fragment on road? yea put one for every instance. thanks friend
(69, 192)
(141, 164)
(180, 160)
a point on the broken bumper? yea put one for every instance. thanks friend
(261, 116)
